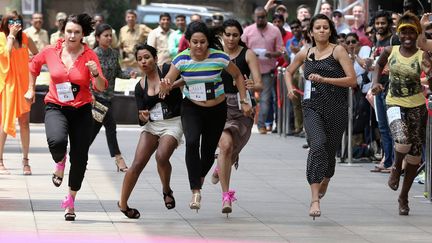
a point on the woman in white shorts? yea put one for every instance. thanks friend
(161, 131)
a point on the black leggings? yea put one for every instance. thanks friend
(77, 123)
(205, 124)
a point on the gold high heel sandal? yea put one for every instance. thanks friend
(315, 213)
(26, 167)
(196, 201)
(121, 162)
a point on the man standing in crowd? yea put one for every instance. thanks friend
(339, 21)
(266, 41)
(60, 21)
(91, 39)
(293, 46)
(358, 26)
(174, 38)
(183, 43)
(130, 35)
(36, 33)
(303, 12)
(383, 37)
(158, 38)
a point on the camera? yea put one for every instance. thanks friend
(278, 2)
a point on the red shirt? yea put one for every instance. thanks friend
(183, 44)
(78, 75)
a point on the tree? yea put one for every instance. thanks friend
(113, 11)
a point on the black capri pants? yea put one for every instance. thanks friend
(203, 124)
(77, 123)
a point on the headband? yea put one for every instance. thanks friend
(407, 25)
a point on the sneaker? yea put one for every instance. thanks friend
(262, 130)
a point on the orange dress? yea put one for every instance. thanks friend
(14, 81)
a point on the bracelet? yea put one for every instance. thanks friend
(95, 75)
(11, 37)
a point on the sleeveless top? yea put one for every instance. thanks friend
(405, 88)
(240, 61)
(170, 105)
(323, 94)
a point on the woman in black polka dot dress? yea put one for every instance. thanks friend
(328, 72)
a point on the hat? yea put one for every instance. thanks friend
(281, 6)
(338, 11)
(61, 16)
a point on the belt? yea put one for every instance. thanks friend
(65, 107)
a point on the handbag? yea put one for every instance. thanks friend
(99, 111)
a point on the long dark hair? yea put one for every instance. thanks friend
(84, 20)
(5, 22)
(234, 23)
(145, 46)
(200, 27)
(333, 32)
(99, 30)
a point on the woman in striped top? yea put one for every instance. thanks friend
(203, 111)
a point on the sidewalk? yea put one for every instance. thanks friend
(272, 191)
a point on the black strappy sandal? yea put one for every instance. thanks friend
(57, 180)
(70, 216)
(131, 213)
(169, 205)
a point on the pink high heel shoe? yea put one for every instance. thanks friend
(69, 202)
(215, 175)
(60, 166)
(227, 199)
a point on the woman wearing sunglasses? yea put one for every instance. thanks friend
(360, 57)
(14, 83)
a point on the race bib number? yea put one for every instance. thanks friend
(64, 92)
(307, 90)
(393, 113)
(248, 99)
(156, 113)
(198, 92)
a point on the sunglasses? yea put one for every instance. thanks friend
(14, 21)
(348, 42)
(337, 15)
(261, 17)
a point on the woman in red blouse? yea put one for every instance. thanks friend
(72, 66)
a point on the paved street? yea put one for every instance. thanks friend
(272, 191)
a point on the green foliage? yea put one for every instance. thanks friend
(113, 10)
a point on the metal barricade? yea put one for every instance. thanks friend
(346, 144)
(284, 115)
(428, 169)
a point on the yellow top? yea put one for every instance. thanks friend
(405, 89)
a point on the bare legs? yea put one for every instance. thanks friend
(24, 123)
(147, 145)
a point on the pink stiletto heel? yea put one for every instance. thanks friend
(69, 203)
(227, 199)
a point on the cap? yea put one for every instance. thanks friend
(338, 11)
(281, 7)
(61, 16)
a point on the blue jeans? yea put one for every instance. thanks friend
(386, 139)
(265, 98)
